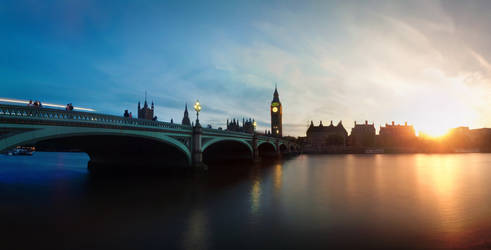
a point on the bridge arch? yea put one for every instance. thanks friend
(223, 139)
(267, 150)
(283, 148)
(226, 149)
(268, 142)
(53, 133)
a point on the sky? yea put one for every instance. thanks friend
(424, 62)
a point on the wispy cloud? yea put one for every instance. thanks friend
(426, 62)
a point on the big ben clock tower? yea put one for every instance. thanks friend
(276, 113)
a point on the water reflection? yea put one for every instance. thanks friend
(439, 181)
(278, 175)
(196, 234)
(312, 201)
(255, 191)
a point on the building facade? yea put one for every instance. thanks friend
(482, 138)
(247, 125)
(362, 135)
(397, 136)
(326, 138)
(146, 112)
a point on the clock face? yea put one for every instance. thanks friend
(275, 109)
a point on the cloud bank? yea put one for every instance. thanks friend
(425, 62)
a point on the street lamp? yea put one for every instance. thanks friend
(254, 124)
(197, 107)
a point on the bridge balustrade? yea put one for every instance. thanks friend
(221, 132)
(16, 114)
(237, 133)
(48, 114)
(35, 113)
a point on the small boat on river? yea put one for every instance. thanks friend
(22, 151)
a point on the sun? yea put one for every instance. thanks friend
(434, 132)
(436, 126)
(436, 116)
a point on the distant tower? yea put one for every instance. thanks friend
(276, 115)
(185, 119)
(145, 112)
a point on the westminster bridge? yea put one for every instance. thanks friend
(119, 141)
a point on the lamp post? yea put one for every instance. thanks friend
(254, 124)
(197, 153)
(197, 107)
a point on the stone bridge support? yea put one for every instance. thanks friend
(278, 150)
(196, 148)
(255, 156)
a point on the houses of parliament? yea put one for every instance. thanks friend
(248, 125)
(392, 137)
(276, 113)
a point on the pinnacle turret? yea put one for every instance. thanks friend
(185, 119)
(276, 96)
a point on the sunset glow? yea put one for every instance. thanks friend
(272, 124)
(427, 63)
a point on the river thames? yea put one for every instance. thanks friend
(310, 201)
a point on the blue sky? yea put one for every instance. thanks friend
(425, 62)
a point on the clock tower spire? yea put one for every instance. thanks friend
(276, 115)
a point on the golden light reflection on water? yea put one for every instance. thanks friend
(196, 235)
(278, 175)
(350, 180)
(438, 182)
(356, 201)
(378, 174)
(438, 196)
(255, 192)
(427, 200)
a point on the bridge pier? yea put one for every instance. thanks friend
(196, 150)
(278, 150)
(255, 154)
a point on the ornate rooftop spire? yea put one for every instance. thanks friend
(276, 96)
(145, 105)
(185, 119)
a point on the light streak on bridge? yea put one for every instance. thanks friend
(8, 100)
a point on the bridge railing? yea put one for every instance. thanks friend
(237, 133)
(227, 132)
(48, 114)
(265, 137)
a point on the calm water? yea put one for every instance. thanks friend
(350, 201)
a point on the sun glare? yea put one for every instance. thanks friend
(438, 124)
(434, 133)
(437, 113)
(437, 127)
